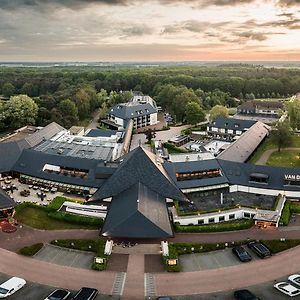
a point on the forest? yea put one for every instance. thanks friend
(68, 95)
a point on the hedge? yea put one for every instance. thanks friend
(288, 209)
(31, 250)
(76, 219)
(219, 227)
(277, 246)
(173, 254)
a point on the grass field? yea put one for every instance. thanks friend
(38, 218)
(268, 144)
(285, 158)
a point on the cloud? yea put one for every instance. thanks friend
(137, 30)
(288, 2)
(192, 26)
(48, 4)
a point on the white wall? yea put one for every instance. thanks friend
(153, 119)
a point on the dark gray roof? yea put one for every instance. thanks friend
(10, 153)
(239, 173)
(131, 110)
(142, 166)
(246, 144)
(194, 166)
(101, 132)
(43, 134)
(138, 212)
(31, 163)
(231, 123)
(5, 201)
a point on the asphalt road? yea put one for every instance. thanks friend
(34, 291)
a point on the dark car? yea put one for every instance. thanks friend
(260, 249)
(244, 295)
(86, 293)
(164, 298)
(241, 253)
(59, 294)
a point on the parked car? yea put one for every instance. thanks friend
(244, 295)
(287, 288)
(295, 279)
(164, 298)
(59, 294)
(260, 249)
(86, 293)
(241, 253)
(11, 286)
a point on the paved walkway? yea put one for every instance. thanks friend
(236, 277)
(134, 285)
(266, 155)
(26, 236)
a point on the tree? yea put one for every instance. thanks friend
(218, 111)
(69, 112)
(8, 89)
(150, 134)
(282, 135)
(103, 111)
(194, 113)
(294, 113)
(28, 89)
(21, 110)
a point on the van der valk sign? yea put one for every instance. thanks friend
(292, 177)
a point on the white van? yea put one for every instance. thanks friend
(10, 286)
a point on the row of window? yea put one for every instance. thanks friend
(198, 175)
(222, 218)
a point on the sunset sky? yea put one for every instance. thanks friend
(149, 30)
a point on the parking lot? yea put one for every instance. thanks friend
(66, 257)
(33, 291)
(211, 260)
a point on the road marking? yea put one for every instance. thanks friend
(149, 285)
(119, 284)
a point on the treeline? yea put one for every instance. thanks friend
(70, 95)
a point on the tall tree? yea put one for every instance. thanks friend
(21, 110)
(218, 111)
(194, 113)
(8, 89)
(282, 135)
(294, 113)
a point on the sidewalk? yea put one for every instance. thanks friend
(134, 285)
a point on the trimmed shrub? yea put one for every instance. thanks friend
(76, 219)
(277, 246)
(219, 227)
(31, 250)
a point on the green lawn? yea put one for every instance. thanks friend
(285, 158)
(38, 218)
(268, 144)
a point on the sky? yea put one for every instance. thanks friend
(149, 30)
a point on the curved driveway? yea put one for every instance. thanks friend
(54, 275)
(201, 282)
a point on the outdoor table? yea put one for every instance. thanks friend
(35, 187)
(7, 181)
(30, 186)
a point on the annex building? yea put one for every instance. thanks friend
(142, 110)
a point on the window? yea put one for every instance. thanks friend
(231, 217)
(247, 215)
(211, 220)
(221, 218)
(200, 221)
